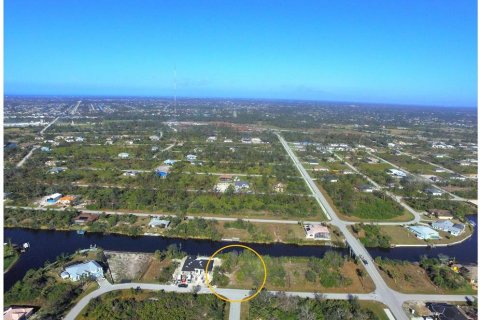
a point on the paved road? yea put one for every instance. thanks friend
(382, 290)
(48, 125)
(395, 198)
(24, 159)
(141, 214)
(22, 162)
(239, 294)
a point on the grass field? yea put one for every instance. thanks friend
(411, 278)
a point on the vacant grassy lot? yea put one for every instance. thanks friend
(410, 278)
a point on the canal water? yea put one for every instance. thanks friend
(47, 245)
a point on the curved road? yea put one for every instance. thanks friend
(239, 294)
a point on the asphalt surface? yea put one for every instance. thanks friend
(382, 290)
(237, 294)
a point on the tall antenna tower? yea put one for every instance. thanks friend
(175, 87)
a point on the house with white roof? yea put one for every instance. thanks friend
(316, 232)
(156, 222)
(90, 269)
(424, 232)
(396, 173)
(455, 229)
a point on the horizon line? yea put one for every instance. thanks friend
(179, 98)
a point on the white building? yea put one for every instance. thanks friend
(316, 231)
(123, 155)
(89, 269)
(396, 173)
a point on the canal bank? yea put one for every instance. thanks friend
(47, 245)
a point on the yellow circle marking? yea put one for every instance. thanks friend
(244, 299)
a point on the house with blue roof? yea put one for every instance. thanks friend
(424, 232)
(90, 269)
(454, 229)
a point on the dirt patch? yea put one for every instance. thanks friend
(126, 266)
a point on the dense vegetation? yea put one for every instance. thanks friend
(10, 255)
(155, 305)
(442, 275)
(374, 205)
(371, 236)
(245, 268)
(282, 307)
(327, 270)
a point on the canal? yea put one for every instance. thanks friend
(47, 245)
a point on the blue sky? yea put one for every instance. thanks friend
(413, 52)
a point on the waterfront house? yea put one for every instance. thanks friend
(196, 265)
(156, 222)
(17, 313)
(454, 229)
(90, 269)
(424, 232)
(316, 231)
(85, 217)
(440, 214)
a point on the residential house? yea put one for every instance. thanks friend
(53, 198)
(169, 162)
(241, 185)
(424, 232)
(196, 265)
(191, 157)
(56, 170)
(123, 155)
(67, 200)
(222, 186)
(454, 229)
(279, 187)
(131, 173)
(256, 140)
(154, 138)
(154, 149)
(320, 169)
(227, 141)
(211, 139)
(51, 163)
(156, 222)
(17, 313)
(396, 173)
(90, 269)
(440, 214)
(45, 149)
(433, 192)
(446, 311)
(79, 139)
(316, 231)
(85, 217)
(330, 178)
(226, 178)
(162, 171)
(366, 188)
